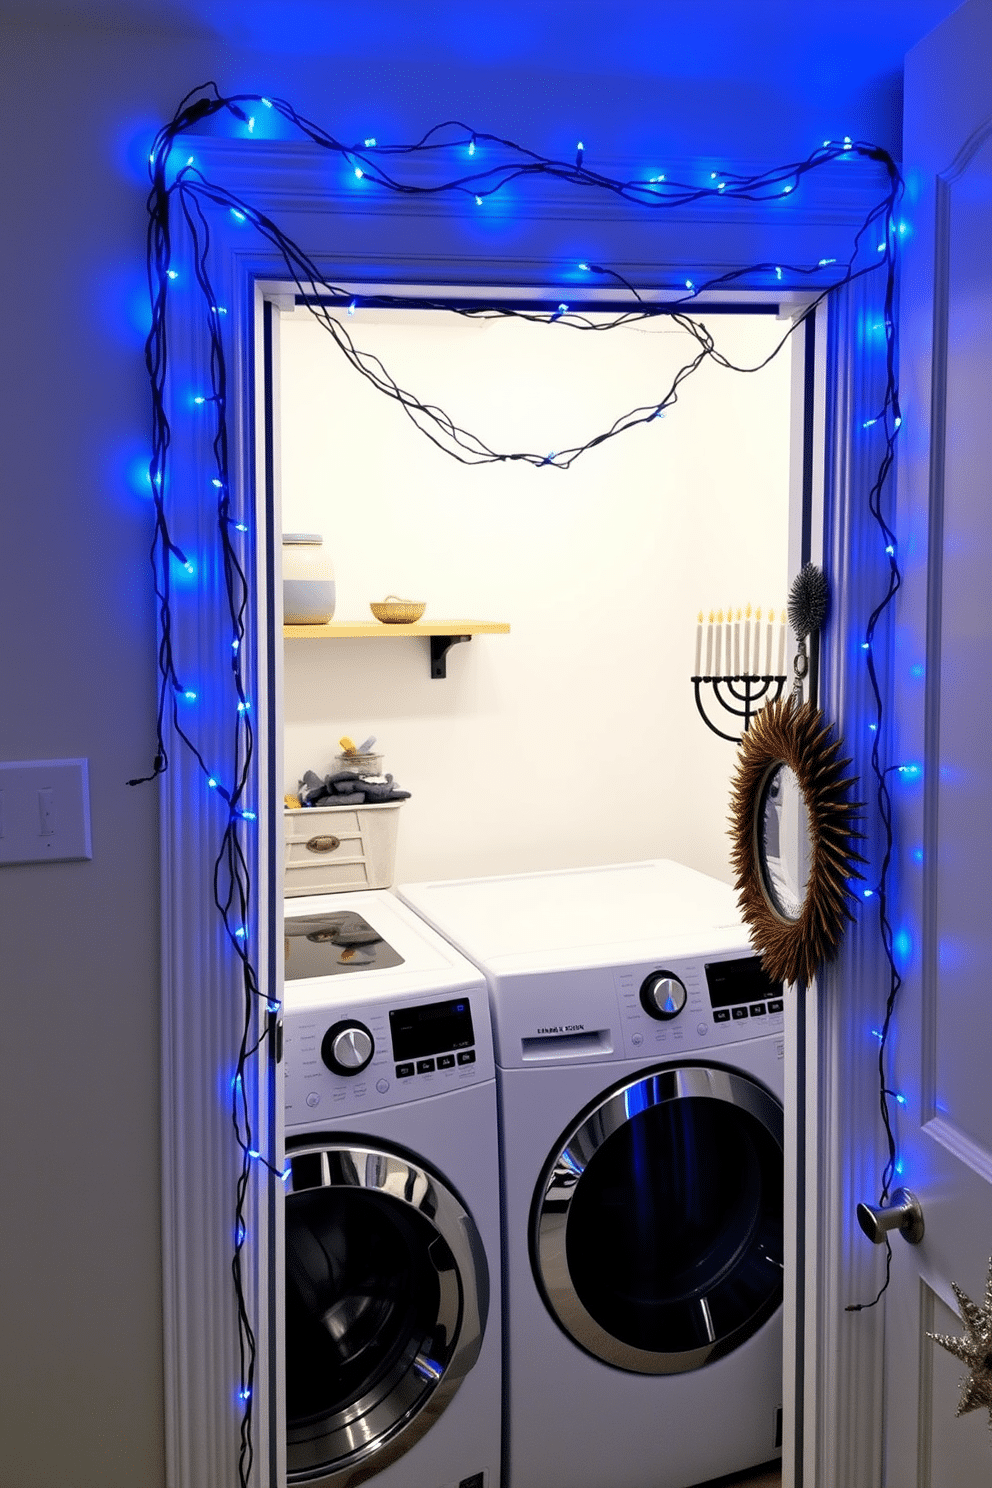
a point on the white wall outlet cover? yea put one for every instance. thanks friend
(44, 811)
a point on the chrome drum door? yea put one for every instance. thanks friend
(387, 1291)
(656, 1230)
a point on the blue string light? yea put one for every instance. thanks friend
(182, 197)
(887, 422)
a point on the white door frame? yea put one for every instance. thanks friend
(832, 1395)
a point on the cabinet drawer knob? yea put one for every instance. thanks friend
(323, 844)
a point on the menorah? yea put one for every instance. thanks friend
(739, 696)
(745, 687)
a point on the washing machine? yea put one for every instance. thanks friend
(639, 1050)
(392, 1350)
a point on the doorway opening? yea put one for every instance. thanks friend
(576, 739)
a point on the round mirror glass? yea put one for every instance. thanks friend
(784, 844)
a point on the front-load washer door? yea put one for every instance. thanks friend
(387, 1291)
(656, 1229)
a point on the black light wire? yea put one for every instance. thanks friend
(467, 447)
(231, 876)
(231, 873)
(890, 417)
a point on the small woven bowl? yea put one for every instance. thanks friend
(393, 611)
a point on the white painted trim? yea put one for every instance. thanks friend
(202, 989)
(843, 1404)
(268, 1301)
(426, 243)
(801, 1021)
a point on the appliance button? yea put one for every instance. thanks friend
(466, 1056)
(757, 1009)
(721, 1015)
(382, 1086)
(404, 1071)
(446, 1061)
(425, 1066)
(637, 1039)
(702, 1028)
(739, 1013)
(776, 1005)
(313, 1098)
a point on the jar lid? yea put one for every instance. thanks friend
(299, 538)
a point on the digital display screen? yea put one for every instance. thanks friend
(432, 1028)
(741, 980)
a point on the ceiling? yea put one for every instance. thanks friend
(832, 67)
(861, 40)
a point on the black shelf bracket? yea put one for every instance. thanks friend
(440, 646)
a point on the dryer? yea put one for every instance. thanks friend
(391, 1356)
(639, 1057)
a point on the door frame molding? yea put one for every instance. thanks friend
(842, 1415)
(833, 1431)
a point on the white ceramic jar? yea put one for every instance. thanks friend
(308, 590)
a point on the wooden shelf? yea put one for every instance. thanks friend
(443, 634)
(350, 629)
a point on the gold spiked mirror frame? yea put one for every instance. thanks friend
(794, 930)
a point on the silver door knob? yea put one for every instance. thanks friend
(902, 1213)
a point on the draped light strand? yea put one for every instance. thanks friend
(181, 196)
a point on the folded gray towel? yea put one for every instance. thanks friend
(346, 788)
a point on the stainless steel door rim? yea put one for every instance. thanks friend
(738, 1102)
(397, 1405)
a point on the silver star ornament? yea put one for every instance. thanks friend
(975, 1348)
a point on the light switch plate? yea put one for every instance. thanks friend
(44, 811)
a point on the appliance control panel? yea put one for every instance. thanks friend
(341, 1062)
(696, 1002)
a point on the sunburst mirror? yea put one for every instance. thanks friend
(793, 829)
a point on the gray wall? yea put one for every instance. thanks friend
(80, 1294)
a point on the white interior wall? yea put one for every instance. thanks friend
(574, 739)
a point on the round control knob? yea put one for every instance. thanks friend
(663, 995)
(347, 1048)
